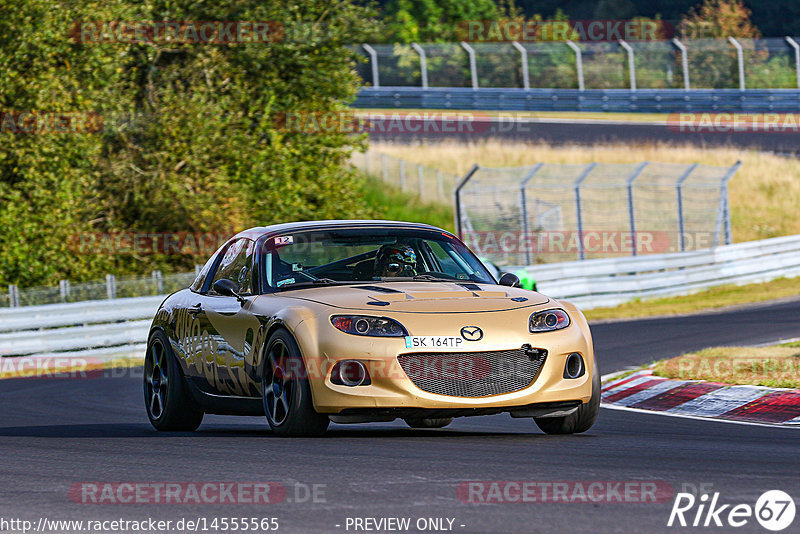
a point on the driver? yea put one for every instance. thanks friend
(396, 260)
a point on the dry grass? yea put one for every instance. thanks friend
(773, 366)
(716, 297)
(764, 194)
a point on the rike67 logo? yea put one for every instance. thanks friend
(774, 510)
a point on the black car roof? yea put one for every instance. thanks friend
(259, 231)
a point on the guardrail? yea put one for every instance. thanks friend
(612, 281)
(620, 100)
(112, 329)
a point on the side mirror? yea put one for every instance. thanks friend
(509, 279)
(227, 288)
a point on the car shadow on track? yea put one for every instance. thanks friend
(145, 431)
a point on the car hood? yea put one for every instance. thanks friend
(421, 297)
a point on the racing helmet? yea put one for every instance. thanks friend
(396, 260)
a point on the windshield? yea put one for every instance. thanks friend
(351, 256)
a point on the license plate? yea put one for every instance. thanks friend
(434, 342)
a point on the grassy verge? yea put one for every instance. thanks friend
(717, 297)
(764, 194)
(772, 366)
(387, 202)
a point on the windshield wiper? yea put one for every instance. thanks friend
(312, 283)
(430, 278)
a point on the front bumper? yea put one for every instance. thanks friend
(392, 391)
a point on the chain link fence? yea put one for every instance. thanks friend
(769, 63)
(561, 212)
(430, 184)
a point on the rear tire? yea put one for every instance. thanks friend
(578, 421)
(286, 392)
(428, 422)
(167, 399)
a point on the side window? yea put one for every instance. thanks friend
(237, 266)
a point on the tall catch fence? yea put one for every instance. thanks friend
(560, 212)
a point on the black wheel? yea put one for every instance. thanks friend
(428, 422)
(168, 402)
(288, 404)
(578, 421)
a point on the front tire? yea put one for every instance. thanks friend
(167, 400)
(428, 422)
(578, 421)
(286, 392)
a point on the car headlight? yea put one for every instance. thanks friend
(548, 321)
(362, 325)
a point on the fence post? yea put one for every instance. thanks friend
(111, 286)
(402, 175)
(684, 62)
(526, 83)
(439, 184)
(13, 296)
(159, 281)
(679, 193)
(577, 187)
(373, 56)
(723, 210)
(740, 59)
(63, 289)
(421, 179)
(578, 63)
(423, 64)
(523, 200)
(631, 214)
(796, 47)
(457, 196)
(631, 64)
(473, 66)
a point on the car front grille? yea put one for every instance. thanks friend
(473, 374)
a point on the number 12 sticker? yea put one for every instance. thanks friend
(284, 240)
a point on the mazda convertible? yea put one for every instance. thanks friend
(364, 321)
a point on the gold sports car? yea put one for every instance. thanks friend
(364, 321)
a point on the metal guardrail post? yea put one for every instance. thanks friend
(578, 63)
(111, 286)
(473, 65)
(631, 64)
(684, 62)
(740, 59)
(796, 47)
(522, 185)
(631, 214)
(373, 56)
(423, 64)
(577, 187)
(421, 179)
(526, 82)
(679, 193)
(457, 196)
(13, 296)
(402, 175)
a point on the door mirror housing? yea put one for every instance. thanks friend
(227, 288)
(509, 279)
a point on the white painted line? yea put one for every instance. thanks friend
(698, 418)
(720, 401)
(645, 394)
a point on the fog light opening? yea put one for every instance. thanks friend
(574, 367)
(350, 373)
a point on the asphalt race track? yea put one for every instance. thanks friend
(591, 132)
(58, 432)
